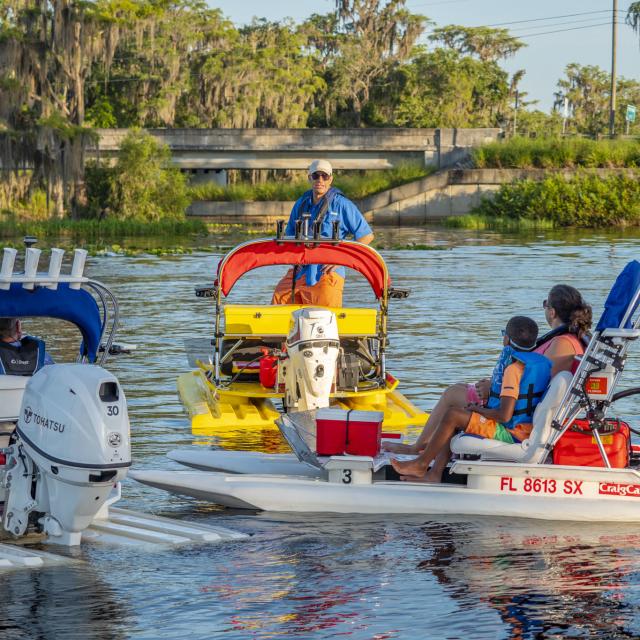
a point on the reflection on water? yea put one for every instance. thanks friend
(307, 576)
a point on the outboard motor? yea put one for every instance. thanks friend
(309, 369)
(72, 448)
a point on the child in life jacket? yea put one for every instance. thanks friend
(520, 378)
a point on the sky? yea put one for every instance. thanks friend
(552, 41)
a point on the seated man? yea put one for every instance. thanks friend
(317, 283)
(519, 381)
(20, 355)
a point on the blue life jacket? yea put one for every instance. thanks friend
(533, 384)
(22, 360)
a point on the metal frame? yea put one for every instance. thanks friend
(381, 321)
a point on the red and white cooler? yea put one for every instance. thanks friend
(354, 432)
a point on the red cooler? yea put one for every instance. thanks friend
(348, 431)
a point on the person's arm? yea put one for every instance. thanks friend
(366, 239)
(502, 413)
(508, 395)
(561, 352)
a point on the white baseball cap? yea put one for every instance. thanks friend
(321, 165)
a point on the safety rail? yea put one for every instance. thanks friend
(31, 277)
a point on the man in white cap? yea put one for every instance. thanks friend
(317, 283)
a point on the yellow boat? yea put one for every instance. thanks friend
(226, 391)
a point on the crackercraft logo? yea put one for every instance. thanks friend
(28, 414)
(617, 489)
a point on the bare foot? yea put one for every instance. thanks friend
(398, 447)
(414, 467)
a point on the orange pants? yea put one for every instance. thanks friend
(326, 293)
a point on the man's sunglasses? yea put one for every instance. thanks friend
(316, 175)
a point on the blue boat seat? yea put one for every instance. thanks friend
(531, 450)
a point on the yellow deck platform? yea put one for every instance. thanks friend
(249, 405)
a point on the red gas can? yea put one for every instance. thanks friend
(578, 445)
(268, 371)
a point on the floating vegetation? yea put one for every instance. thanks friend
(497, 223)
(411, 247)
(94, 231)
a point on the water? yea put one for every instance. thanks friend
(361, 577)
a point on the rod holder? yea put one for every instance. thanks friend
(55, 265)
(31, 259)
(8, 260)
(79, 258)
(279, 229)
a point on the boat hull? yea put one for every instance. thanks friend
(289, 494)
(285, 464)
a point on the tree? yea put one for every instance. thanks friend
(359, 47)
(264, 77)
(444, 88)
(46, 51)
(143, 185)
(487, 43)
(633, 17)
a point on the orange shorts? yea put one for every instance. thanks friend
(487, 428)
(327, 292)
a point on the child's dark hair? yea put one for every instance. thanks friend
(571, 308)
(522, 332)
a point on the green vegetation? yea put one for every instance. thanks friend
(354, 185)
(587, 200)
(142, 186)
(526, 153)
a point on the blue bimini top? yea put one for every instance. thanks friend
(77, 306)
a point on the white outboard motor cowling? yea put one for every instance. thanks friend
(72, 448)
(309, 370)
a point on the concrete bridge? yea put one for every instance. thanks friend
(216, 150)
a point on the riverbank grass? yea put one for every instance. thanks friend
(354, 185)
(557, 153)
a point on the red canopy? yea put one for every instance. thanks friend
(263, 253)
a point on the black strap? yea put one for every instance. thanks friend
(347, 434)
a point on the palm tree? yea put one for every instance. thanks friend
(633, 16)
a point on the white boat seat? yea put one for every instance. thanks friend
(530, 450)
(11, 393)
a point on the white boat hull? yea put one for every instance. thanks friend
(283, 464)
(481, 497)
